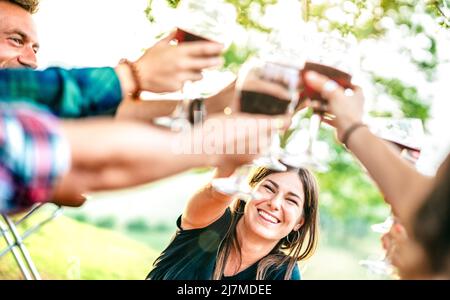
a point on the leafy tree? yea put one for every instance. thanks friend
(347, 192)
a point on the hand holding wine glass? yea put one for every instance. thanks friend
(199, 21)
(263, 88)
(165, 67)
(346, 107)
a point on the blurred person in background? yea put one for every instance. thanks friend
(220, 237)
(420, 202)
(425, 252)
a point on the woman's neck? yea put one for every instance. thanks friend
(252, 249)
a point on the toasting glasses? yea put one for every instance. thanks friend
(336, 58)
(199, 20)
(263, 87)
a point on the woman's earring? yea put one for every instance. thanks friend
(295, 240)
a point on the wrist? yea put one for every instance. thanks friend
(350, 131)
(344, 124)
(130, 81)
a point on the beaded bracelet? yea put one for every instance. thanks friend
(135, 74)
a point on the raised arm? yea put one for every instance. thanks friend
(402, 185)
(208, 205)
(99, 91)
(148, 110)
(124, 154)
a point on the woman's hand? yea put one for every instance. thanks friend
(165, 67)
(233, 141)
(347, 107)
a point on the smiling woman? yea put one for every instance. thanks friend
(261, 239)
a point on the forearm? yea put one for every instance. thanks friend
(402, 186)
(148, 110)
(145, 110)
(217, 103)
(119, 155)
(206, 206)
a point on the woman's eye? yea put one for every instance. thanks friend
(269, 188)
(292, 201)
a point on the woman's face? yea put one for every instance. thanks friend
(279, 209)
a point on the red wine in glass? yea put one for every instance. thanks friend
(340, 77)
(184, 36)
(258, 103)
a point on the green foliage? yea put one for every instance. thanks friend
(106, 222)
(66, 249)
(411, 104)
(244, 17)
(82, 218)
(235, 56)
(138, 225)
(349, 199)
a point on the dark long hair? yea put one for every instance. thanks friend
(298, 245)
(431, 227)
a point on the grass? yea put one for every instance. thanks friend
(67, 249)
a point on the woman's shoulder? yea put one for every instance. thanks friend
(279, 273)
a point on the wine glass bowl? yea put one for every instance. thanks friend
(334, 57)
(205, 20)
(269, 88)
(199, 20)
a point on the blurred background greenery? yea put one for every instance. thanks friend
(118, 235)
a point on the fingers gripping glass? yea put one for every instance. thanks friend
(268, 88)
(333, 58)
(199, 20)
(382, 265)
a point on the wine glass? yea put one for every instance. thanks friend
(269, 88)
(382, 265)
(199, 20)
(336, 58)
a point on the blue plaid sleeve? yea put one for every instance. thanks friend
(33, 155)
(67, 93)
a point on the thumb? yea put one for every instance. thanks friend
(281, 123)
(170, 37)
(330, 121)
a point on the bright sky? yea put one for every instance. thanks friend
(92, 33)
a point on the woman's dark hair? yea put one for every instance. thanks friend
(431, 227)
(298, 245)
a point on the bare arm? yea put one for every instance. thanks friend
(206, 206)
(111, 155)
(402, 185)
(148, 110)
(108, 154)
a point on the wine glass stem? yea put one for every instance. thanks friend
(186, 99)
(314, 126)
